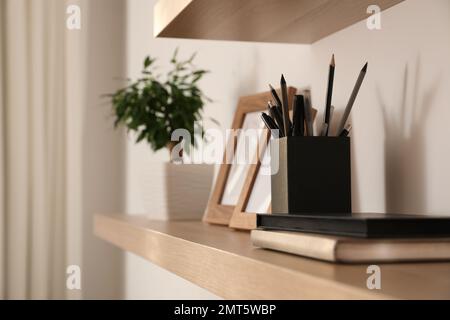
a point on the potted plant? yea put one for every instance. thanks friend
(153, 108)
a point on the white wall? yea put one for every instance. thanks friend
(394, 169)
(401, 164)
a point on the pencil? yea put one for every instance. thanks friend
(346, 131)
(275, 96)
(324, 129)
(270, 124)
(329, 93)
(276, 115)
(352, 99)
(331, 114)
(285, 106)
(308, 114)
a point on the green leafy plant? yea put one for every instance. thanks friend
(154, 108)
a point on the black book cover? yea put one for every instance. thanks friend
(365, 225)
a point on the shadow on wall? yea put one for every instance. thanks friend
(405, 136)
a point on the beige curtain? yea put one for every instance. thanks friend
(42, 99)
(2, 163)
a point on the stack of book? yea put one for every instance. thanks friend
(356, 238)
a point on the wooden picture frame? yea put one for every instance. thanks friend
(241, 219)
(217, 213)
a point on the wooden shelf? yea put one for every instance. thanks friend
(224, 262)
(287, 21)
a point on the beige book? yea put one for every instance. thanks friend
(353, 250)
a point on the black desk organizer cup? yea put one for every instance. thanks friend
(313, 176)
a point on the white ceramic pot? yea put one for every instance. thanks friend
(177, 191)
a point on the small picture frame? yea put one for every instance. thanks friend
(244, 214)
(232, 178)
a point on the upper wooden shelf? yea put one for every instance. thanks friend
(224, 262)
(286, 21)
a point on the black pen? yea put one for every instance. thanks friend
(298, 118)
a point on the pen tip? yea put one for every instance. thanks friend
(332, 60)
(282, 79)
(270, 86)
(364, 69)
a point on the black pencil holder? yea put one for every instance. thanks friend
(313, 175)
